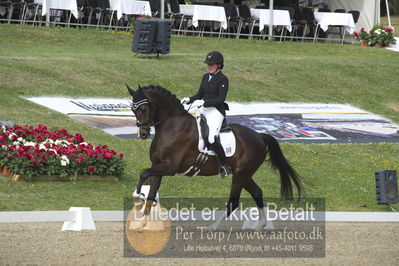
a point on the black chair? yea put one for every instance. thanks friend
(91, 6)
(246, 18)
(107, 16)
(100, 9)
(233, 20)
(32, 12)
(155, 7)
(15, 10)
(176, 16)
(355, 14)
(299, 22)
(330, 30)
(291, 11)
(82, 7)
(311, 23)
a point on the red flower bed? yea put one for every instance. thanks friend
(39, 151)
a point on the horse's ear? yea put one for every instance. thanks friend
(131, 92)
(139, 87)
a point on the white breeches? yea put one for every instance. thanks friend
(214, 120)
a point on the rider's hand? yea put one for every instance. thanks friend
(200, 103)
(185, 100)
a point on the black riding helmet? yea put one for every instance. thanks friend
(214, 57)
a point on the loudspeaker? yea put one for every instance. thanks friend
(152, 36)
(386, 187)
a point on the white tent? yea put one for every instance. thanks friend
(369, 11)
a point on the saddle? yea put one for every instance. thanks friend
(205, 129)
(226, 135)
(227, 139)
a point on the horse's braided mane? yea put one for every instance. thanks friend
(165, 92)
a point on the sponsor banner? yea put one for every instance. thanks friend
(97, 107)
(295, 122)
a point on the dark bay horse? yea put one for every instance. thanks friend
(174, 149)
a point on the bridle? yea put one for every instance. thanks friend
(150, 122)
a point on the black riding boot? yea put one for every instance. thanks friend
(224, 168)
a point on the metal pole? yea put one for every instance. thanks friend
(162, 9)
(389, 17)
(270, 20)
(47, 13)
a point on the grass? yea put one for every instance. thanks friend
(94, 63)
(394, 21)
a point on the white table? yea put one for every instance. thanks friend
(325, 19)
(130, 7)
(59, 4)
(280, 18)
(205, 12)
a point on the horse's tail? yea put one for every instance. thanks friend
(287, 172)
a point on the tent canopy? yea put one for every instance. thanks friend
(369, 11)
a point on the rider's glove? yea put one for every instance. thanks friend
(200, 103)
(185, 100)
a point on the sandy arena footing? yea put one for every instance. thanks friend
(45, 244)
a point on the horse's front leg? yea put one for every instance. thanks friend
(143, 177)
(141, 220)
(143, 207)
(155, 184)
(152, 209)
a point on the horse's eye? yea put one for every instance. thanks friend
(141, 108)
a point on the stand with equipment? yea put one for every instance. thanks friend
(152, 36)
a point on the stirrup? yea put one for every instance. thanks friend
(224, 170)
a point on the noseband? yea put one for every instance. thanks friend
(148, 123)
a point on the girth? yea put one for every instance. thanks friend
(196, 167)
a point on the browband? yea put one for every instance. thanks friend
(137, 104)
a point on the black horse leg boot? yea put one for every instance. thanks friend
(224, 168)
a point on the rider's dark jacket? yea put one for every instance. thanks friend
(213, 91)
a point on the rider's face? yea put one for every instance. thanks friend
(213, 68)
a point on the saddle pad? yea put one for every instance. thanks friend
(227, 139)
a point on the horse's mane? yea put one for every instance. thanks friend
(165, 92)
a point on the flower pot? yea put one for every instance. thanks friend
(378, 45)
(15, 177)
(364, 44)
(6, 172)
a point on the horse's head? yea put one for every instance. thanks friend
(143, 110)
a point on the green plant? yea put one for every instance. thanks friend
(362, 36)
(380, 34)
(30, 151)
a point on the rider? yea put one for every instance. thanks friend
(211, 96)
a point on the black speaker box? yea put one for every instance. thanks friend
(152, 36)
(386, 187)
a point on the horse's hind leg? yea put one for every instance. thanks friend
(257, 195)
(232, 204)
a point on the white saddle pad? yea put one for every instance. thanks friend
(227, 139)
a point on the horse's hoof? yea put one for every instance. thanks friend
(260, 227)
(137, 225)
(154, 226)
